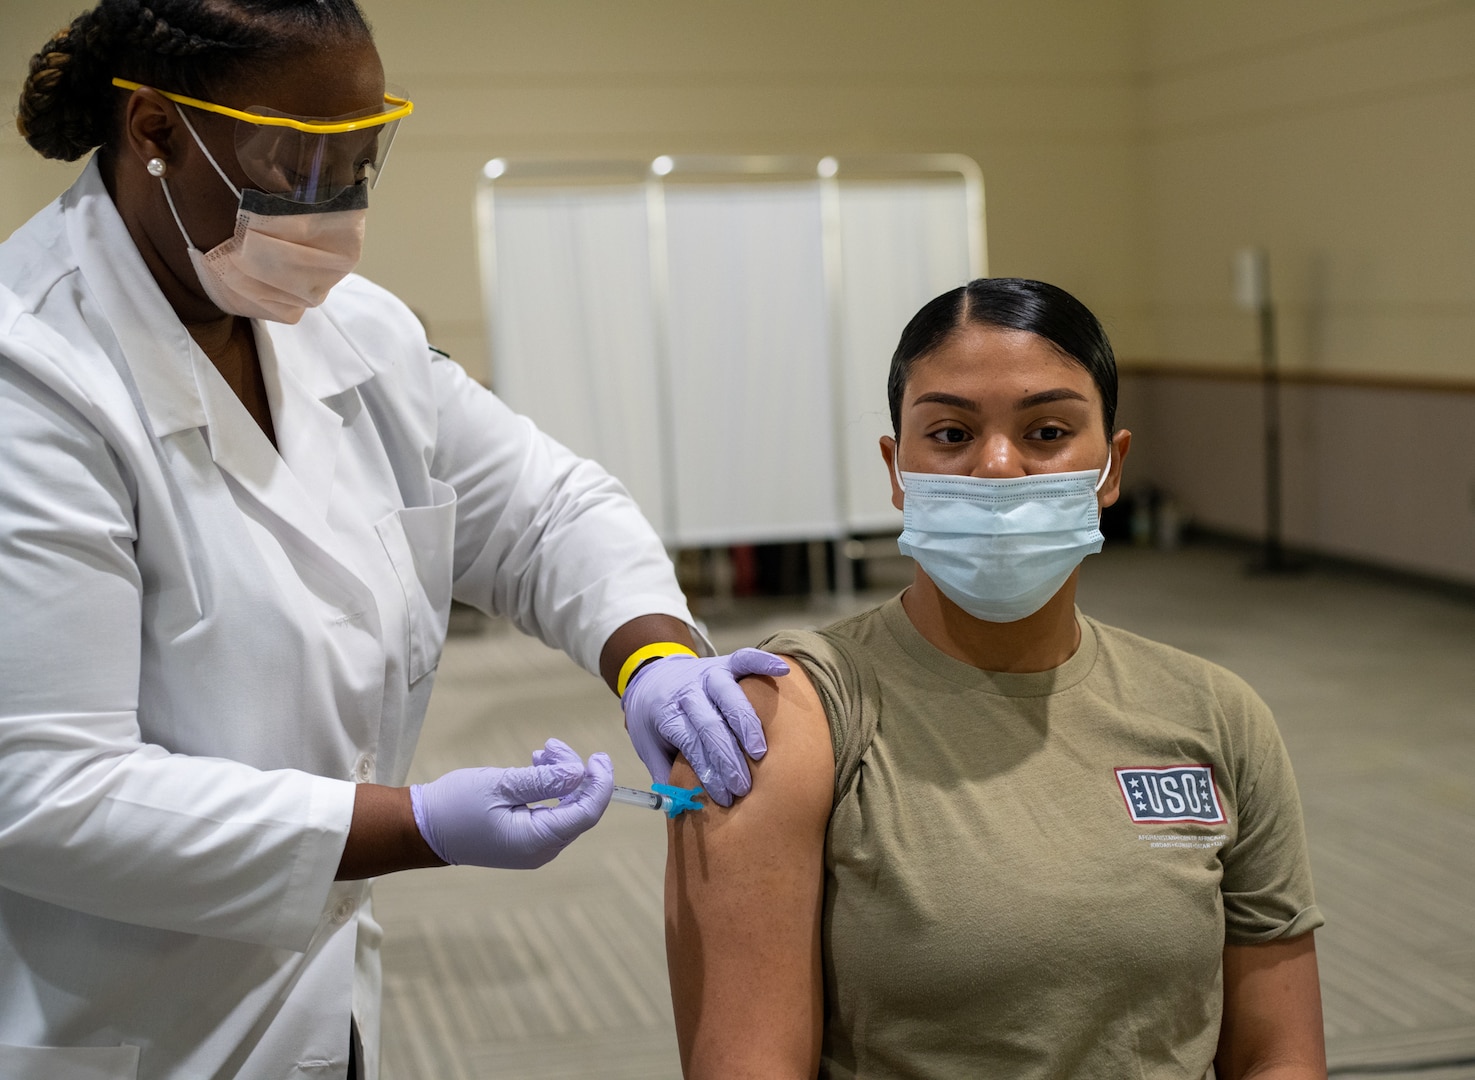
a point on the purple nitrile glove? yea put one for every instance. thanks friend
(694, 705)
(481, 817)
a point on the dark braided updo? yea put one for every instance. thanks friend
(69, 105)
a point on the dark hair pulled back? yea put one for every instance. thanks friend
(1011, 304)
(69, 105)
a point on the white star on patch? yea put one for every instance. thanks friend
(1135, 782)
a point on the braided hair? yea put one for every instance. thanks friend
(69, 105)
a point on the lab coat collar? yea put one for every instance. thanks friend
(308, 431)
(154, 342)
(181, 390)
(241, 449)
(157, 347)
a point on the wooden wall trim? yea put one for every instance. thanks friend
(1157, 369)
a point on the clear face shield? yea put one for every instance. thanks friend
(307, 159)
(315, 162)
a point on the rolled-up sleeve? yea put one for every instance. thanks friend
(1267, 885)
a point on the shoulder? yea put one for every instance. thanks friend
(67, 419)
(788, 807)
(373, 302)
(50, 354)
(789, 803)
(844, 664)
(381, 326)
(1168, 690)
(38, 319)
(388, 338)
(1152, 666)
(837, 652)
(793, 716)
(35, 257)
(840, 660)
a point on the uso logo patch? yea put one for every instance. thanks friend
(1166, 794)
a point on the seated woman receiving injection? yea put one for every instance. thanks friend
(993, 837)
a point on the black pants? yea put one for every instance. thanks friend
(353, 1051)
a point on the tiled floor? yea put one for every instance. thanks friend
(560, 972)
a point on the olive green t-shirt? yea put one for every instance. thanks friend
(1035, 875)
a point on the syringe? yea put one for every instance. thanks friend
(673, 800)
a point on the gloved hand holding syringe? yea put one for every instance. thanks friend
(497, 817)
(673, 800)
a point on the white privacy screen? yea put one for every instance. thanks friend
(573, 339)
(722, 347)
(749, 335)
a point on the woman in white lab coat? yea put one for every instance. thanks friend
(234, 509)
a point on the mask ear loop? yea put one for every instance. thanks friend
(190, 244)
(169, 197)
(1105, 472)
(896, 466)
(208, 156)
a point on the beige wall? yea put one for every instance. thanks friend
(1128, 147)
(1044, 95)
(1340, 135)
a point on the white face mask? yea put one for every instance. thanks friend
(285, 256)
(1000, 548)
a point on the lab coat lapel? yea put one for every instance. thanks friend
(242, 451)
(181, 390)
(307, 430)
(155, 344)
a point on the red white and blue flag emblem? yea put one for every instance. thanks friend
(1171, 794)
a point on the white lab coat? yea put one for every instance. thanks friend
(204, 643)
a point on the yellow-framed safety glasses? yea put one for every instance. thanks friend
(306, 159)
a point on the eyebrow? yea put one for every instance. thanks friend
(1028, 402)
(939, 398)
(1044, 397)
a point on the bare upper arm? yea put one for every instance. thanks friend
(744, 893)
(1272, 1024)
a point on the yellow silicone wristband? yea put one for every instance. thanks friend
(644, 653)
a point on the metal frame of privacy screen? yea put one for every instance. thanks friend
(716, 330)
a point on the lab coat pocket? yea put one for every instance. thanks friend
(420, 543)
(72, 1062)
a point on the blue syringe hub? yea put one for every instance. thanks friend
(678, 800)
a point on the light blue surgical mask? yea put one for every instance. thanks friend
(1000, 548)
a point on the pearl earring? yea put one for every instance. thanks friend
(156, 166)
